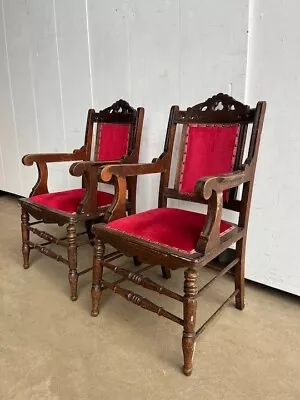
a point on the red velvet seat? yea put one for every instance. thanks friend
(170, 227)
(69, 200)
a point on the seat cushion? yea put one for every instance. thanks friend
(68, 200)
(170, 227)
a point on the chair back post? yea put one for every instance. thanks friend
(251, 160)
(166, 156)
(89, 133)
(137, 133)
(133, 156)
(88, 139)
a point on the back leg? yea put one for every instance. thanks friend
(88, 227)
(166, 273)
(136, 261)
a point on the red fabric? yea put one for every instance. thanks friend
(209, 150)
(170, 227)
(69, 200)
(113, 141)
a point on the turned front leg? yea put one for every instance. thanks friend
(72, 258)
(25, 238)
(96, 291)
(189, 319)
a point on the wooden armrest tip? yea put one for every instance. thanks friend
(77, 168)
(204, 188)
(106, 174)
(27, 160)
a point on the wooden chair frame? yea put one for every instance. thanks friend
(208, 190)
(88, 211)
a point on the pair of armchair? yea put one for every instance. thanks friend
(218, 153)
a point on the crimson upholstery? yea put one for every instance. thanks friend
(170, 227)
(209, 150)
(113, 141)
(68, 200)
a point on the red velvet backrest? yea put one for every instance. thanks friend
(206, 150)
(212, 143)
(116, 132)
(113, 141)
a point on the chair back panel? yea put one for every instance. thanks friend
(213, 138)
(114, 134)
(117, 132)
(113, 141)
(205, 150)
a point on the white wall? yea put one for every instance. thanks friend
(60, 57)
(273, 74)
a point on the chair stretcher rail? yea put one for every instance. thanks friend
(142, 302)
(125, 279)
(219, 275)
(140, 280)
(201, 329)
(110, 257)
(48, 252)
(48, 237)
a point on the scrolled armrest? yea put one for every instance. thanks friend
(124, 170)
(219, 183)
(82, 167)
(29, 159)
(211, 188)
(41, 161)
(89, 170)
(120, 173)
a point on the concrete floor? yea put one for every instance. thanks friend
(52, 349)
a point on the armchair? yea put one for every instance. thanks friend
(118, 133)
(211, 166)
